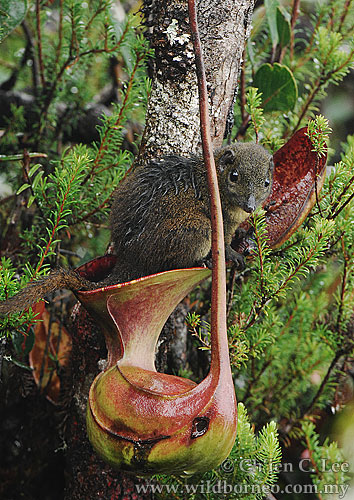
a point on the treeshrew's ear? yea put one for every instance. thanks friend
(271, 164)
(227, 158)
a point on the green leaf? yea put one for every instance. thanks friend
(34, 169)
(18, 363)
(271, 13)
(22, 188)
(283, 27)
(23, 344)
(250, 51)
(278, 87)
(12, 13)
(37, 179)
(30, 200)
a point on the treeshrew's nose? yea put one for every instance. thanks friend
(250, 204)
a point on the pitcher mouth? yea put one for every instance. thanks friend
(87, 293)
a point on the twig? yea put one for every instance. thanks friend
(316, 186)
(344, 15)
(294, 15)
(323, 383)
(46, 352)
(231, 285)
(106, 140)
(20, 156)
(254, 379)
(301, 61)
(321, 81)
(94, 15)
(244, 115)
(55, 226)
(344, 284)
(343, 206)
(8, 198)
(2, 353)
(335, 205)
(69, 62)
(10, 83)
(60, 35)
(254, 314)
(270, 496)
(318, 472)
(261, 261)
(39, 41)
(94, 210)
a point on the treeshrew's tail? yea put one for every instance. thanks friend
(57, 279)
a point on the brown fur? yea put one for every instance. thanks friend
(161, 230)
(160, 217)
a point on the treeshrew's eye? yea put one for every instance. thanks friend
(233, 175)
(266, 183)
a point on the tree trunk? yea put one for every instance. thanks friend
(172, 120)
(172, 126)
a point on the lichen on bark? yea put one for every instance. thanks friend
(172, 121)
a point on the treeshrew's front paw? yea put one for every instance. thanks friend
(235, 257)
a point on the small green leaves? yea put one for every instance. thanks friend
(332, 60)
(269, 451)
(329, 453)
(253, 108)
(318, 131)
(199, 329)
(278, 86)
(12, 13)
(33, 184)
